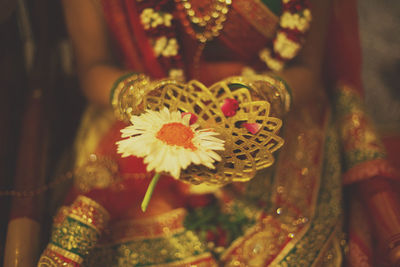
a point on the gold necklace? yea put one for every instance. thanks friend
(210, 25)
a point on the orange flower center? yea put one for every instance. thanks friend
(176, 134)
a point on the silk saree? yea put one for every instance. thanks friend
(291, 214)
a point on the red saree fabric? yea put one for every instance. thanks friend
(375, 202)
(343, 51)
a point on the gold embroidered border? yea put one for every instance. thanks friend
(331, 253)
(168, 250)
(204, 260)
(256, 246)
(291, 217)
(166, 224)
(311, 171)
(328, 209)
(363, 150)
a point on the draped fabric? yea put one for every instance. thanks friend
(288, 215)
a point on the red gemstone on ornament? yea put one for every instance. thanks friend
(252, 127)
(230, 107)
(193, 117)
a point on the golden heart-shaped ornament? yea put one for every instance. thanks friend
(245, 152)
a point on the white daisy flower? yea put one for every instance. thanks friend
(168, 143)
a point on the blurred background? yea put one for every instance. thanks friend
(380, 42)
(40, 102)
(379, 25)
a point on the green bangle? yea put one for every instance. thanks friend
(287, 96)
(117, 82)
(288, 88)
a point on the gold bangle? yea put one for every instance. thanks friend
(128, 95)
(117, 83)
(282, 89)
(273, 89)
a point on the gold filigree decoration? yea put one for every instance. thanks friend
(245, 153)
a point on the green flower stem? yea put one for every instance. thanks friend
(150, 191)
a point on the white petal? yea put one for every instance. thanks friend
(176, 173)
(160, 157)
(142, 142)
(195, 158)
(184, 160)
(186, 119)
(214, 155)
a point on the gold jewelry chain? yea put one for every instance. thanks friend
(211, 22)
(56, 182)
(35, 192)
(220, 7)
